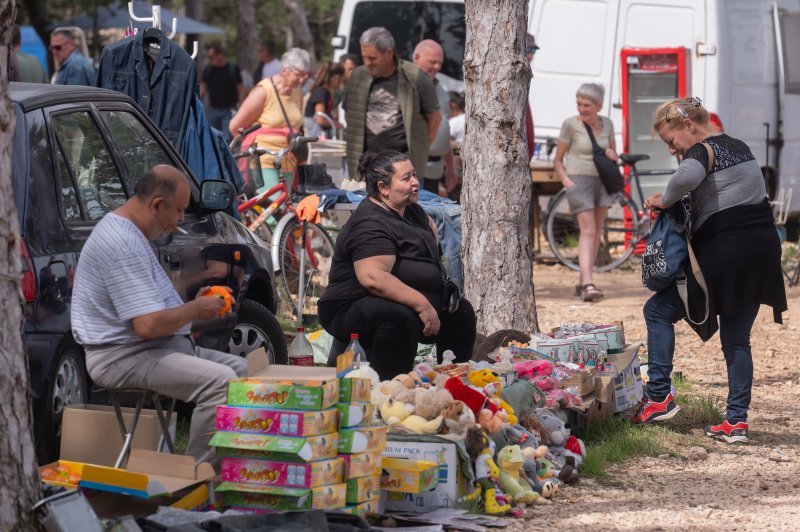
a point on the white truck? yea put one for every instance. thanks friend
(741, 57)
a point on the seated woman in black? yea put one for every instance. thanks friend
(386, 281)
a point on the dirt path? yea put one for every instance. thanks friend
(735, 488)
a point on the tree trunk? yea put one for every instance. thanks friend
(498, 274)
(299, 34)
(18, 474)
(246, 35)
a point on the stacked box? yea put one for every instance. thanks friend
(278, 442)
(361, 443)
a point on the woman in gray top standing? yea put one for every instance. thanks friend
(586, 195)
(737, 247)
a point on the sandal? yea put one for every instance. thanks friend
(589, 292)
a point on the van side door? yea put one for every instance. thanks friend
(787, 24)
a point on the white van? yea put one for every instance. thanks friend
(742, 58)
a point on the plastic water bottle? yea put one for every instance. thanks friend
(300, 352)
(359, 355)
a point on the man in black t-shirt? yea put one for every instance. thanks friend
(222, 81)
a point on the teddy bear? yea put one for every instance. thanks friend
(431, 402)
(510, 460)
(489, 381)
(396, 413)
(492, 423)
(481, 449)
(474, 399)
(457, 418)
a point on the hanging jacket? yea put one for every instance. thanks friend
(165, 93)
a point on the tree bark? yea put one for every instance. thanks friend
(246, 35)
(498, 274)
(299, 34)
(18, 474)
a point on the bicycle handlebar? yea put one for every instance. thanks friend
(257, 151)
(242, 133)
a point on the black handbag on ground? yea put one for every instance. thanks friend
(301, 152)
(609, 170)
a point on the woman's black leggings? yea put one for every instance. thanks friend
(389, 332)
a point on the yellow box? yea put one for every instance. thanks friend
(362, 489)
(364, 507)
(355, 390)
(362, 439)
(361, 464)
(408, 476)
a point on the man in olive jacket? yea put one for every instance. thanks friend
(390, 104)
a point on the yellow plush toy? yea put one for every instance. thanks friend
(488, 381)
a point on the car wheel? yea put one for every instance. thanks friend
(258, 327)
(67, 385)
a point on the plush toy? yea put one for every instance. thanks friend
(430, 402)
(534, 452)
(558, 432)
(394, 411)
(483, 378)
(420, 425)
(474, 399)
(575, 448)
(457, 418)
(533, 424)
(492, 423)
(510, 460)
(480, 450)
(365, 372)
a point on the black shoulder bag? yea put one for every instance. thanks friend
(609, 170)
(452, 294)
(301, 152)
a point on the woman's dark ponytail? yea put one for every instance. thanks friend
(378, 167)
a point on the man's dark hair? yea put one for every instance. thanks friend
(458, 99)
(16, 36)
(155, 182)
(269, 46)
(378, 167)
(355, 59)
(217, 47)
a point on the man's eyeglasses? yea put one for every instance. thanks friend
(56, 47)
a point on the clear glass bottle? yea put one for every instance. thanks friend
(359, 355)
(300, 352)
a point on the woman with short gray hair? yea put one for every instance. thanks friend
(277, 104)
(586, 195)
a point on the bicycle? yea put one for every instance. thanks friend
(301, 250)
(625, 226)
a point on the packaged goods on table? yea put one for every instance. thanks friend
(258, 420)
(287, 474)
(246, 495)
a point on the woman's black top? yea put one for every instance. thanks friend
(374, 231)
(318, 95)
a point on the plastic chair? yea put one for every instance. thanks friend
(127, 432)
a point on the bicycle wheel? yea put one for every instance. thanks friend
(318, 256)
(617, 240)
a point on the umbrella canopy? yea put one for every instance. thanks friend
(116, 16)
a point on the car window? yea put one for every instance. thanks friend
(139, 150)
(81, 142)
(69, 196)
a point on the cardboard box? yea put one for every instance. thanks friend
(288, 474)
(581, 381)
(283, 387)
(362, 439)
(628, 387)
(90, 433)
(244, 495)
(355, 390)
(361, 464)
(355, 414)
(597, 405)
(361, 509)
(451, 482)
(362, 489)
(294, 423)
(408, 476)
(279, 448)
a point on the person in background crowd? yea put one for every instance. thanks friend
(586, 195)
(350, 62)
(386, 281)
(74, 68)
(271, 103)
(30, 68)
(390, 104)
(268, 64)
(734, 239)
(222, 82)
(134, 326)
(329, 78)
(429, 57)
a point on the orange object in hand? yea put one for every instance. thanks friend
(222, 293)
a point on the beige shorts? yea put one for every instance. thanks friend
(587, 193)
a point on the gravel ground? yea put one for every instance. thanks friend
(735, 487)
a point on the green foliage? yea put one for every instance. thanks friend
(616, 440)
(181, 436)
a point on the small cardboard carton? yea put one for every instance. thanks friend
(294, 423)
(354, 390)
(355, 414)
(581, 381)
(283, 387)
(362, 439)
(408, 476)
(597, 405)
(364, 507)
(362, 489)
(628, 387)
(242, 495)
(361, 464)
(288, 474)
(278, 448)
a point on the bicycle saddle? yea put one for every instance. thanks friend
(629, 158)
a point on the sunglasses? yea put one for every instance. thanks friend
(56, 47)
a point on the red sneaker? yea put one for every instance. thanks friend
(729, 433)
(650, 410)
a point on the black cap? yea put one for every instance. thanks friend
(530, 44)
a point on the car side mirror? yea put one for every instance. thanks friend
(216, 194)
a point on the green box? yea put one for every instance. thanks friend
(284, 395)
(355, 414)
(355, 390)
(279, 448)
(362, 439)
(363, 489)
(244, 495)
